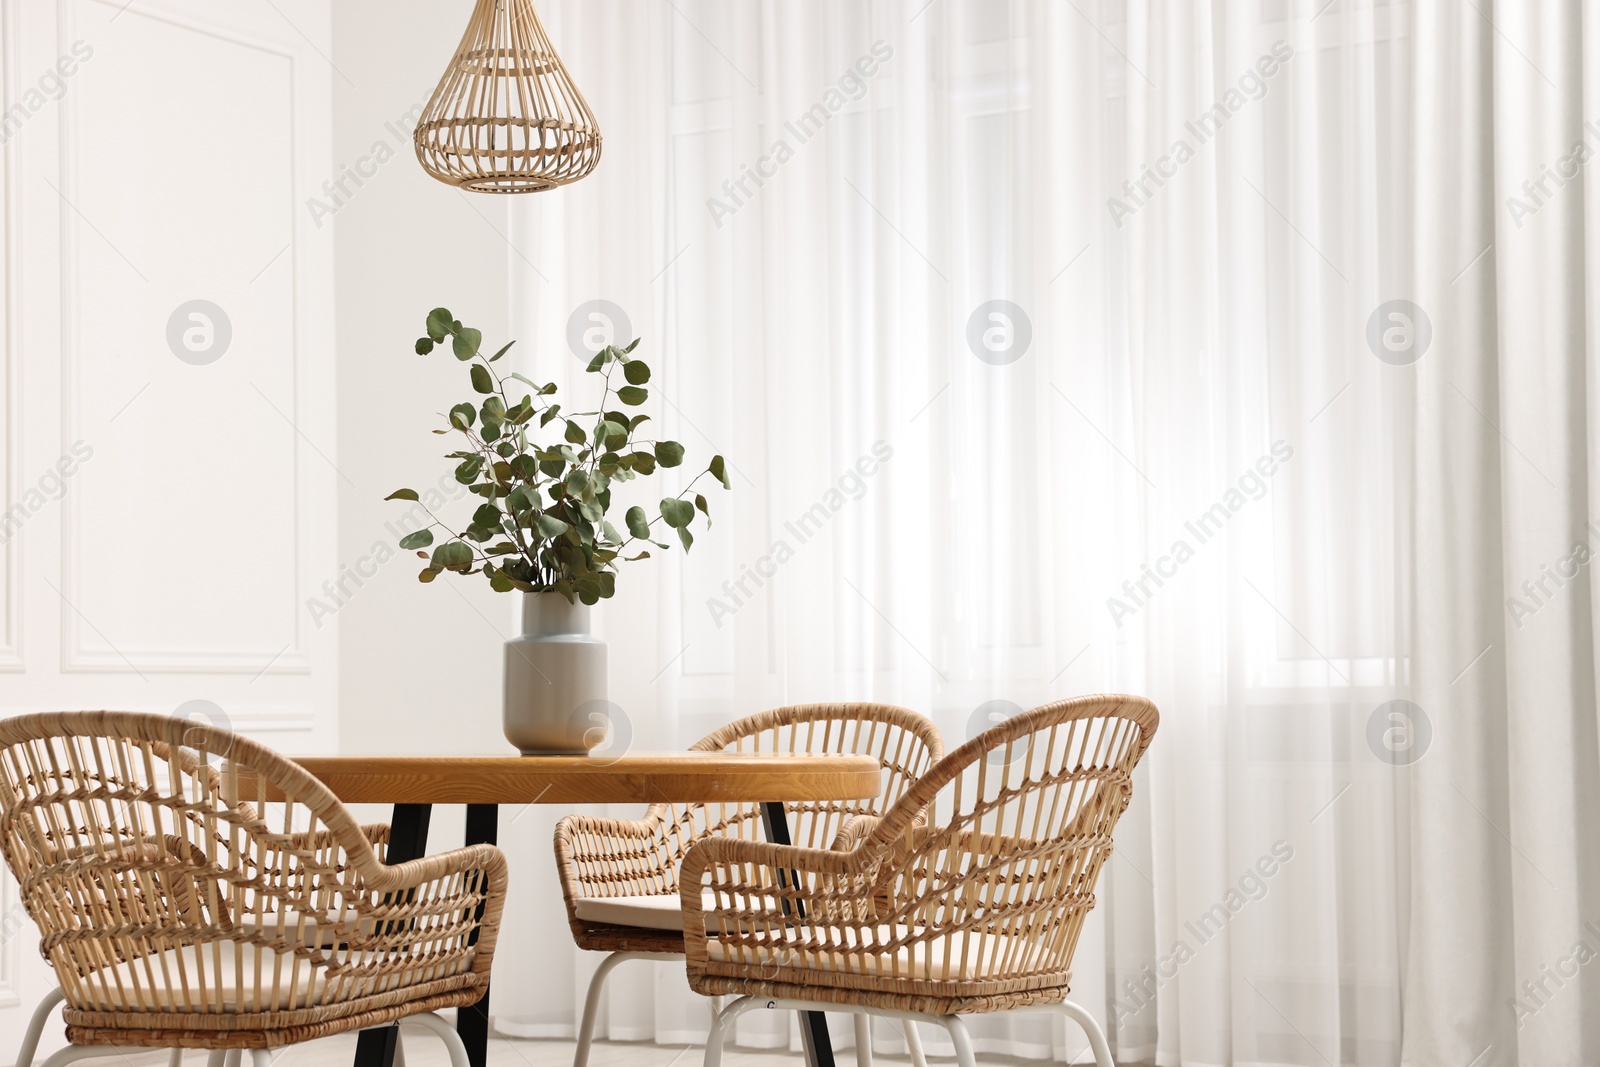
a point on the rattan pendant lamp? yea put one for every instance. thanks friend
(506, 117)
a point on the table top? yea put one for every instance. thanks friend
(643, 777)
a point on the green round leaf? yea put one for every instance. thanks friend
(637, 372)
(424, 345)
(420, 539)
(439, 322)
(481, 380)
(462, 416)
(632, 395)
(402, 494)
(669, 453)
(548, 527)
(719, 471)
(466, 343)
(453, 555)
(676, 513)
(638, 524)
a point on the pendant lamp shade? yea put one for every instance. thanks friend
(506, 117)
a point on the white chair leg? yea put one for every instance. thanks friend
(175, 1058)
(1091, 1027)
(962, 1040)
(217, 1057)
(399, 1050)
(260, 1057)
(41, 1015)
(720, 1022)
(591, 1002)
(231, 1059)
(913, 1043)
(863, 1040)
(446, 1032)
(74, 1053)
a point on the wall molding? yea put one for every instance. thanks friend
(75, 658)
(254, 719)
(11, 654)
(11, 658)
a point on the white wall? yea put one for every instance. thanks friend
(164, 504)
(221, 543)
(419, 664)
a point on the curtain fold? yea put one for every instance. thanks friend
(1213, 351)
(1504, 607)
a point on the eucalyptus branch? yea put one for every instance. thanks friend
(562, 543)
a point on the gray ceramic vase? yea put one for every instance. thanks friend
(555, 680)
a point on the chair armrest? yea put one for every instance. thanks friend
(750, 911)
(446, 905)
(378, 834)
(603, 857)
(855, 830)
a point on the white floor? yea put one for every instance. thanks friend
(422, 1050)
(425, 1051)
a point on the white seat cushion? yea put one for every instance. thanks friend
(941, 958)
(313, 931)
(662, 912)
(649, 913)
(209, 978)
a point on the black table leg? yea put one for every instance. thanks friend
(472, 1020)
(813, 1024)
(408, 839)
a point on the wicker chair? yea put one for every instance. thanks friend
(976, 910)
(190, 906)
(620, 877)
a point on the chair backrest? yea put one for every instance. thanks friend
(905, 744)
(987, 866)
(154, 882)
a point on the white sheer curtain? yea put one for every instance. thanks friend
(1053, 349)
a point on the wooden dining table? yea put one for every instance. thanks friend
(413, 784)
